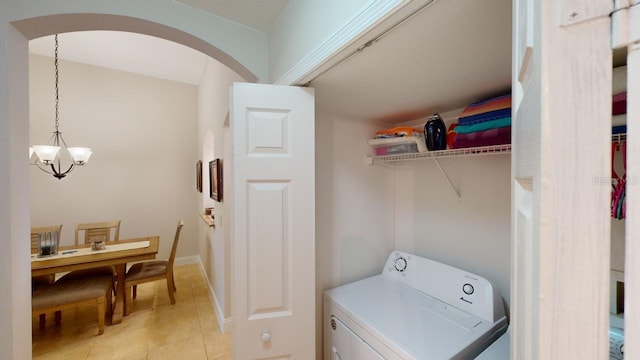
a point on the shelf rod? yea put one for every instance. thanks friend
(448, 178)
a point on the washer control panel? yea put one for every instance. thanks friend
(464, 290)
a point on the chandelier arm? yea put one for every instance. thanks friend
(55, 172)
(58, 173)
(37, 163)
(71, 167)
(52, 139)
(59, 138)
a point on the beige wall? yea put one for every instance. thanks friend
(142, 131)
(213, 243)
(354, 207)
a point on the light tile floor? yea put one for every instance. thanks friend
(154, 330)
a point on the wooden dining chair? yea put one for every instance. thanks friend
(97, 229)
(40, 229)
(85, 232)
(152, 270)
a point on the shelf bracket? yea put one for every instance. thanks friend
(447, 177)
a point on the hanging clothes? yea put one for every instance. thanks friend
(618, 192)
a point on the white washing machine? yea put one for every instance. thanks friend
(499, 350)
(415, 309)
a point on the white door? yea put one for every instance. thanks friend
(632, 249)
(561, 185)
(626, 34)
(273, 222)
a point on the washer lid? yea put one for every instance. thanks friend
(409, 321)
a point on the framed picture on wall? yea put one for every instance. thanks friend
(215, 179)
(199, 175)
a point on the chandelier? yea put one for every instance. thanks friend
(49, 156)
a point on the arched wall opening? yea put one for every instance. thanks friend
(14, 98)
(54, 24)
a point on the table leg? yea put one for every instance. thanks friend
(118, 308)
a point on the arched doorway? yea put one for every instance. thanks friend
(14, 123)
(36, 27)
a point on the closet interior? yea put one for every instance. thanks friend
(451, 205)
(618, 188)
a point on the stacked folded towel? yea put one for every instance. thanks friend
(619, 109)
(400, 131)
(483, 123)
(619, 103)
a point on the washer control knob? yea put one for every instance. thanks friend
(400, 264)
(468, 289)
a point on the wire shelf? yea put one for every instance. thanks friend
(439, 154)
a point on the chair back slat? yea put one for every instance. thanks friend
(97, 229)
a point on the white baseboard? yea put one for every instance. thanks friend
(223, 323)
(186, 260)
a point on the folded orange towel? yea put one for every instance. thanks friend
(399, 131)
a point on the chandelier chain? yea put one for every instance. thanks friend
(55, 62)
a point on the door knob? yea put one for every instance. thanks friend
(266, 336)
(336, 356)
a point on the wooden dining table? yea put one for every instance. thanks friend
(117, 254)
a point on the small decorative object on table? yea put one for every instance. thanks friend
(47, 243)
(98, 243)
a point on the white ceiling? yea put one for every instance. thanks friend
(154, 56)
(126, 51)
(257, 14)
(450, 54)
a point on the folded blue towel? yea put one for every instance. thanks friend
(619, 129)
(486, 116)
(491, 124)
